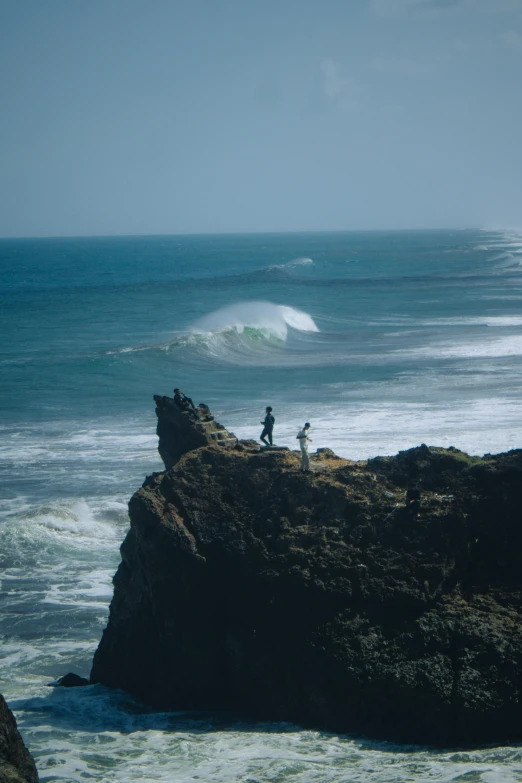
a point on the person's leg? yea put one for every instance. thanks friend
(269, 433)
(305, 462)
(263, 436)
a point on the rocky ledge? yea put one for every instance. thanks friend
(16, 763)
(319, 598)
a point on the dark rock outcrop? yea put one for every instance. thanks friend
(182, 431)
(319, 598)
(71, 680)
(16, 763)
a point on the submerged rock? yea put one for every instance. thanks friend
(16, 763)
(319, 598)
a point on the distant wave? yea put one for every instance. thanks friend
(505, 259)
(478, 320)
(508, 245)
(500, 264)
(301, 261)
(269, 274)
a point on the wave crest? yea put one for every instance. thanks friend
(301, 261)
(264, 317)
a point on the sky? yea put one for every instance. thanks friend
(168, 116)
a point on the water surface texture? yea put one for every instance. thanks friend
(381, 340)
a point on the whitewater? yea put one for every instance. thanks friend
(381, 340)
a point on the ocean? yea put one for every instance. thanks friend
(381, 340)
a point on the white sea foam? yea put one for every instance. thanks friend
(89, 589)
(125, 744)
(263, 316)
(511, 243)
(503, 346)
(73, 523)
(76, 517)
(479, 320)
(55, 444)
(359, 429)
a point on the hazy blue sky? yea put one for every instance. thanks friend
(169, 116)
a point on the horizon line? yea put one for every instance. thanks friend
(251, 233)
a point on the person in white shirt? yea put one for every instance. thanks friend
(302, 437)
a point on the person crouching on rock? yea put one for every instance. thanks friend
(184, 403)
(268, 426)
(413, 499)
(302, 437)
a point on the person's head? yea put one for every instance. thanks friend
(269, 409)
(307, 425)
(176, 391)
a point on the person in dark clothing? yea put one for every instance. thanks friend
(184, 403)
(268, 426)
(413, 499)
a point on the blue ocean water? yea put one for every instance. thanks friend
(381, 340)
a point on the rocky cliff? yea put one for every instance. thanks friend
(320, 598)
(16, 764)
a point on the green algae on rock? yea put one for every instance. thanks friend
(318, 598)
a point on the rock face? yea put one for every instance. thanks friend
(16, 763)
(182, 431)
(319, 598)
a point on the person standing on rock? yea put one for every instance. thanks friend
(302, 437)
(268, 426)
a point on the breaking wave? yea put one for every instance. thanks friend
(304, 261)
(263, 317)
(238, 331)
(246, 331)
